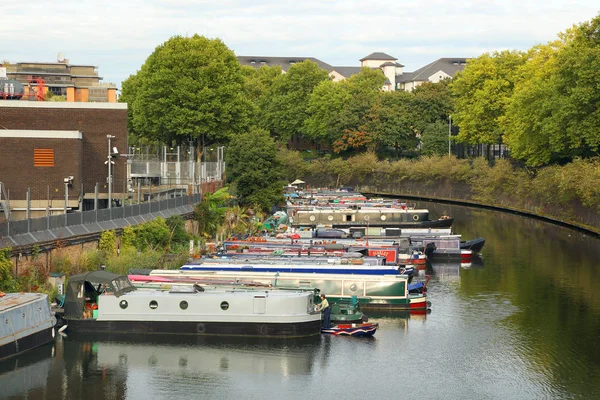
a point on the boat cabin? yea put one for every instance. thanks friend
(83, 291)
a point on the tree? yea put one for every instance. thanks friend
(434, 139)
(554, 114)
(482, 91)
(189, 89)
(392, 120)
(254, 169)
(210, 212)
(339, 111)
(285, 105)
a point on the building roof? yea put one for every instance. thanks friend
(284, 62)
(448, 65)
(393, 64)
(378, 56)
(347, 71)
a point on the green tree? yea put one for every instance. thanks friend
(108, 242)
(254, 169)
(554, 114)
(8, 282)
(179, 235)
(392, 121)
(482, 92)
(434, 139)
(153, 235)
(285, 106)
(189, 89)
(210, 212)
(339, 111)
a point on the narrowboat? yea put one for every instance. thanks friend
(372, 216)
(100, 301)
(26, 322)
(374, 292)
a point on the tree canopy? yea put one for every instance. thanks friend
(254, 170)
(189, 88)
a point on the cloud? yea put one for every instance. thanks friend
(118, 36)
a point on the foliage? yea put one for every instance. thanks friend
(339, 111)
(210, 212)
(254, 169)
(128, 237)
(292, 163)
(434, 140)
(482, 91)
(237, 220)
(285, 106)
(108, 242)
(179, 236)
(8, 283)
(189, 89)
(554, 116)
(152, 235)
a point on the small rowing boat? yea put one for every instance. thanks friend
(366, 329)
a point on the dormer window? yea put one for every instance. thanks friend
(263, 62)
(252, 61)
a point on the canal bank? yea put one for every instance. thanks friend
(574, 215)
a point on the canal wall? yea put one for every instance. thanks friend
(574, 214)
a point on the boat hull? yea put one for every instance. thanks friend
(27, 343)
(26, 322)
(351, 330)
(245, 329)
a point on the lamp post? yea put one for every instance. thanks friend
(68, 182)
(449, 133)
(109, 162)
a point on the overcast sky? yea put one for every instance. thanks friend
(118, 35)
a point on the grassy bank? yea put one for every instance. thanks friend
(569, 193)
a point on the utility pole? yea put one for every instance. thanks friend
(449, 133)
(109, 162)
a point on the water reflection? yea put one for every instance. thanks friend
(26, 375)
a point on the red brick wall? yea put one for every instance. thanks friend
(94, 123)
(18, 172)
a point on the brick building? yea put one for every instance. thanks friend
(42, 144)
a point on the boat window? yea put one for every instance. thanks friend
(224, 305)
(123, 304)
(154, 304)
(348, 217)
(183, 305)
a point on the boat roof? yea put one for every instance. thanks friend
(14, 300)
(96, 277)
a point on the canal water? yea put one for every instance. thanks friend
(522, 322)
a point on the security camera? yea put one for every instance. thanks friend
(71, 178)
(66, 180)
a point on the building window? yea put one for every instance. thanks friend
(43, 157)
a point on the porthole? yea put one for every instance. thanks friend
(224, 305)
(366, 217)
(123, 304)
(183, 305)
(416, 217)
(353, 287)
(154, 304)
(312, 218)
(330, 217)
(383, 217)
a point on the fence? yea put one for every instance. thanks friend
(56, 227)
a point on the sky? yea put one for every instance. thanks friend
(118, 35)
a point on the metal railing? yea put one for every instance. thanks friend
(23, 232)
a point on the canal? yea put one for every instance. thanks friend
(522, 322)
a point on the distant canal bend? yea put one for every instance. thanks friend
(521, 323)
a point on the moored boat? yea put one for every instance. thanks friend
(26, 322)
(374, 292)
(364, 329)
(100, 301)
